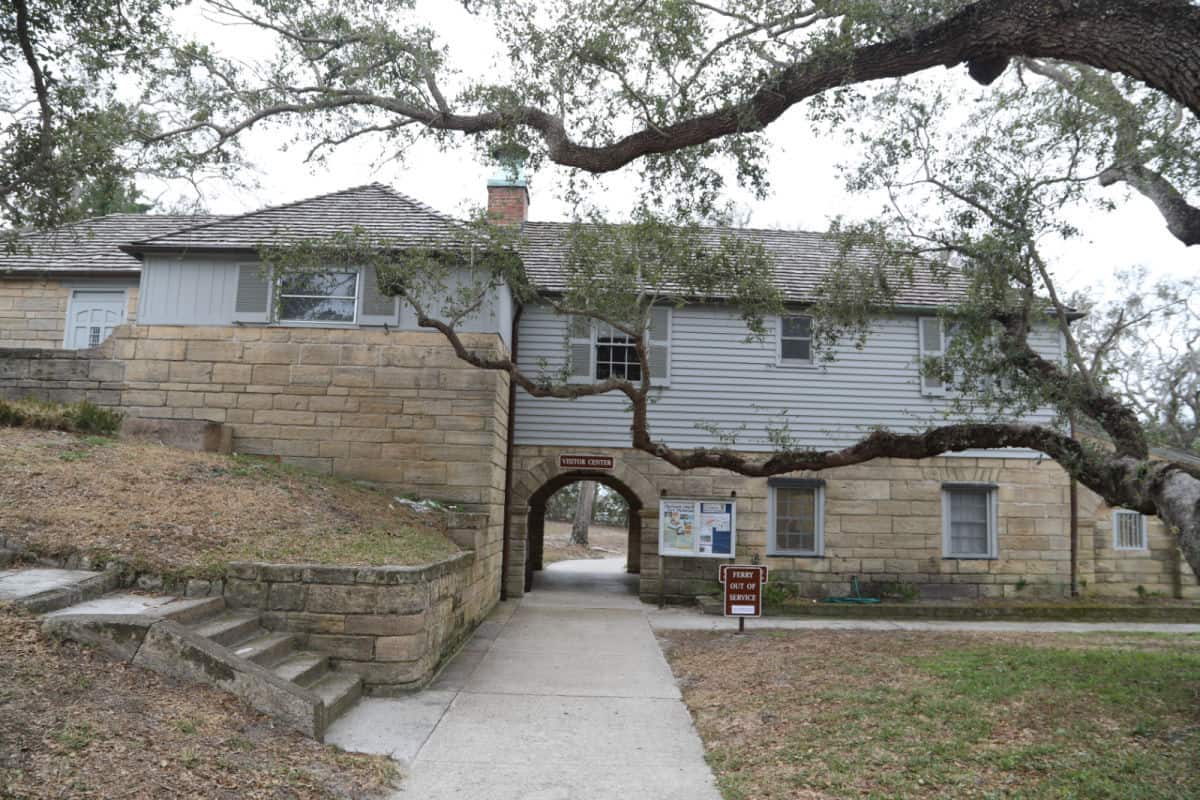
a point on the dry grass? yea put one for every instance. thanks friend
(604, 541)
(77, 725)
(821, 714)
(183, 512)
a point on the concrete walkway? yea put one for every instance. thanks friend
(564, 695)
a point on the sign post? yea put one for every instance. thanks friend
(743, 591)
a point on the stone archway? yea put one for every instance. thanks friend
(537, 482)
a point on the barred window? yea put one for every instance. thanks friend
(1129, 530)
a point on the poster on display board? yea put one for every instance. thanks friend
(697, 528)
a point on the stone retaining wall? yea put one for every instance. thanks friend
(61, 376)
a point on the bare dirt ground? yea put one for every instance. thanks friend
(838, 714)
(74, 724)
(181, 511)
(604, 541)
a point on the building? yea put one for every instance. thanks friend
(174, 318)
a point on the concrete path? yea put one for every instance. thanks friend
(19, 584)
(564, 695)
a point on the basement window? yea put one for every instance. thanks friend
(1129, 530)
(969, 520)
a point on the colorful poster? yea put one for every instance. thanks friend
(679, 525)
(697, 528)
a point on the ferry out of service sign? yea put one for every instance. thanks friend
(743, 589)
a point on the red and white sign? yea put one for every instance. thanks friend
(743, 589)
(585, 462)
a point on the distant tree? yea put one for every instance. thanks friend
(1146, 346)
(583, 513)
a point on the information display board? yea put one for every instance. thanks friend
(697, 528)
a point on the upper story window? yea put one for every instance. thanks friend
(932, 334)
(969, 521)
(1129, 530)
(796, 517)
(616, 355)
(795, 340)
(318, 297)
(599, 352)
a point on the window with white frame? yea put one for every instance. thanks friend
(598, 352)
(795, 340)
(932, 335)
(616, 355)
(796, 524)
(969, 521)
(318, 297)
(1129, 530)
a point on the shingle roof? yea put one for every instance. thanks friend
(385, 213)
(92, 245)
(801, 260)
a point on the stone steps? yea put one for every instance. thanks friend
(197, 639)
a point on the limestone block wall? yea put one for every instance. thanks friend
(33, 311)
(1160, 569)
(883, 523)
(61, 376)
(391, 625)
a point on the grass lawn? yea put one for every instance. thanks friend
(74, 724)
(824, 714)
(192, 513)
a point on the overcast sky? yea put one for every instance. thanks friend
(806, 191)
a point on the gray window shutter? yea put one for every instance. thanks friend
(253, 301)
(581, 349)
(658, 342)
(933, 345)
(377, 307)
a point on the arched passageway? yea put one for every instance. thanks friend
(536, 522)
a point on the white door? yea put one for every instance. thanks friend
(92, 316)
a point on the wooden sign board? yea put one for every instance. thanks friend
(743, 589)
(585, 462)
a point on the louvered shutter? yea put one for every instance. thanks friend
(253, 300)
(581, 350)
(933, 345)
(377, 307)
(658, 341)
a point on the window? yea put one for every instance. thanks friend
(616, 355)
(969, 521)
(795, 340)
(597, 352)
(932, 335)
(318, 297)
(1129, 530)
(796, 518)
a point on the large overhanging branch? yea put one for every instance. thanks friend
(1170, 490)
(1152, 40)
(1183, 219)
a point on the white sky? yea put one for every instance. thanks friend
(806, 192)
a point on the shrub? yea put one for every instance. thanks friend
(81, 417)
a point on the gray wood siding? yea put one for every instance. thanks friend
(718, 377)
(187, 291)
(195, 290)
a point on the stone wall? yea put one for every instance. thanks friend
(1107, 572)
(883, 523)
(33, 311)
(61, 376)
(391, 625)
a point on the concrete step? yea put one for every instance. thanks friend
(229, 627)
(266, 648)
(188, 611)
(303, 668)
(339, 690)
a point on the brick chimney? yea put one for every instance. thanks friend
(508, 195)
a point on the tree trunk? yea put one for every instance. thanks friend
(583, 513)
